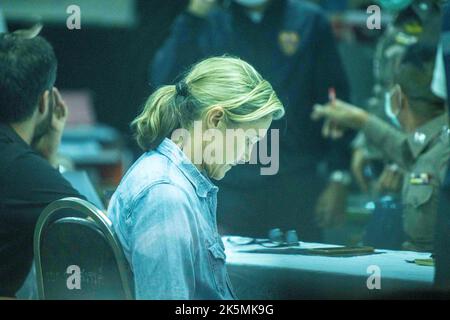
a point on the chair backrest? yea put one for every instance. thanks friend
(78, 255)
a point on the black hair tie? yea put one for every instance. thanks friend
(182, 89)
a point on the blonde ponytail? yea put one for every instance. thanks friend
(158, 119)
(226, 81)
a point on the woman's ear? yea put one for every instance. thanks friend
(214, 117)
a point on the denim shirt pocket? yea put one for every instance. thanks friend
(217, 258)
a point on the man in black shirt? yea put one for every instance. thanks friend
(32, 119)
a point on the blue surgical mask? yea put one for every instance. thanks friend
(388, 110)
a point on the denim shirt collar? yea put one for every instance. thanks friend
(201, 182)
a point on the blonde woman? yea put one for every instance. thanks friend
(164, 210)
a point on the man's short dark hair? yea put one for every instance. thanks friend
(27, 70)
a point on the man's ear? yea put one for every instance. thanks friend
(399, 100)
(44, 102)
(214, 116)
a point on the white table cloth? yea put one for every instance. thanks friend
(295, 276)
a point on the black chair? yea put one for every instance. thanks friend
(78, 255)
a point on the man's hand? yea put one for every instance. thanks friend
(201, 8)
(49, 143)
(339, 115)
(390, 180)
(331, 206)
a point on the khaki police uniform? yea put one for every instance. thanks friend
(414, 24)
(423, 155)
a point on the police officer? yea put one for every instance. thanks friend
(291, 43)
(421, 150)
(413, 22)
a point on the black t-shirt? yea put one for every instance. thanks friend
(28, 183)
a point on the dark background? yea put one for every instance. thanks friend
(112, 62)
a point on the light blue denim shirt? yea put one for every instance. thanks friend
(164, 214)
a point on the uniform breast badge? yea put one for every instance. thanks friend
(420, 178)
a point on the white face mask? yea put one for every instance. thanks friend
(251, 3)
(388, 110)
(439, 84)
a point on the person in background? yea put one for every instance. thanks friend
(442, 240)
(421, 150)
(32, 118)
(292, 44)
(164, 210)
(414, 21)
